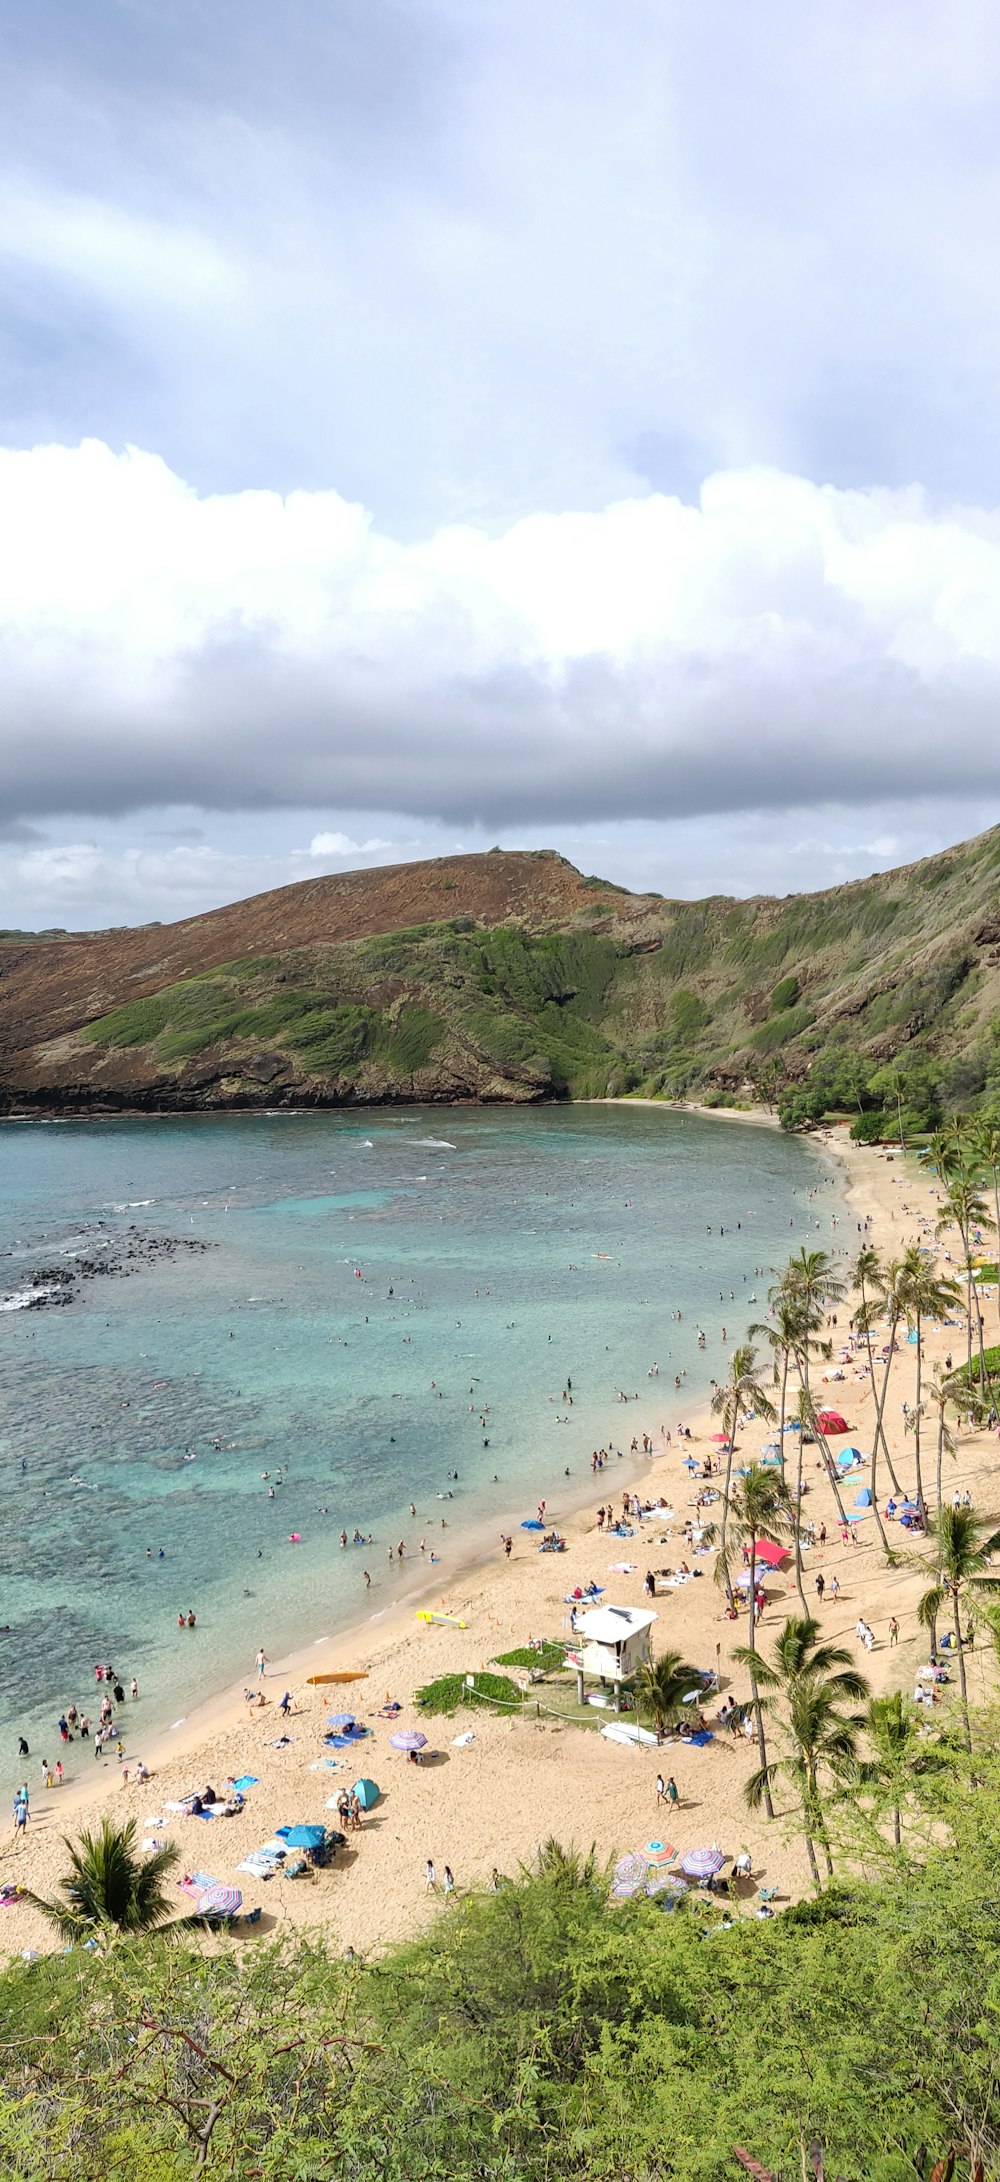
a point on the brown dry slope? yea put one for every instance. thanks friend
(52, 988)
(510, 976)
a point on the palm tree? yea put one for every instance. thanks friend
(813, 1682)
(927, 1295)
(965, 1400)
(987, 1143)
(760, 1508)
(890, 1292)
(663, 1685)
(810, 1281)
(965, 1208)
(109, 1887)
(900, 1754)
(963, 1560)
(785, 1339)
(928, 1608)
(738, 1395)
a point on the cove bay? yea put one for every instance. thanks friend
(384, 1307)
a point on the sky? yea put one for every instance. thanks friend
(433, 423)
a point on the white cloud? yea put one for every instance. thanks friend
(340, 844)
(778, 642)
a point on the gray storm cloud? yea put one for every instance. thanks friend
(775, 644)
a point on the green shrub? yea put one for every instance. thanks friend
(785, 994)
(545, 1657)
(444, 1696)
(868, 1128)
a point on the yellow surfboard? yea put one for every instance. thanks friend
(450, 1621)
(345, 1674)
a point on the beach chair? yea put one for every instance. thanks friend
(253, 1916)
(766, 1894)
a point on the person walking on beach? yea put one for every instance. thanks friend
(20, 1821)
(449, 1883)
(893, 1630)
(261, 1661)
(661, 1789)
(835, 1588)
(430, 1876)
(672, 1795)
(820, 1586)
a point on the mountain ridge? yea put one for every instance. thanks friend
(511, 975)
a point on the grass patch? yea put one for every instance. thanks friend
(543, 1658)
(444, 1696)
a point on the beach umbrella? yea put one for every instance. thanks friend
(770, 1553)
(367, 1793)
(531, 1524)
(702, 1863)
(665, 1882)
(341, 1719)
(654, 1854)
(303, 1837)
(629, 1878)
(408, 1738)
(720, 1439)
(219, 1902)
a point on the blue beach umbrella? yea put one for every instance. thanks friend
(341, 1719)
(303, 1837)
(531, 1524)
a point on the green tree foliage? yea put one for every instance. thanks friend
(543, 2033)
(110, 1886)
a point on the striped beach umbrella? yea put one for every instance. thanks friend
(702, 1863)
(655, 1854)
(407, 1738)
(665, 1882)
(629, 1878)
(340, 1719)
(219, 1902)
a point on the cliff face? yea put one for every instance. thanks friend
(508, 976)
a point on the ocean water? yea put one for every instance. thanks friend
(373, 1285)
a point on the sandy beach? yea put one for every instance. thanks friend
(487, 1802)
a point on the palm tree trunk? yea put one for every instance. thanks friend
(880, 1426)
(879, 1433)
(754, 1692)
(725, 1509)
(996, 1208)
(897, 1826)
(962, 1682)
(781, 1409)
(813, 1866)
(916, 1433)
(968, 1306)
(798, 1532)
(940, 1453)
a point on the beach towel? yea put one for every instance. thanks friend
(703, 1736)
(246, 1780)
(458, 1742)
(258, 1865)
(197, 1883)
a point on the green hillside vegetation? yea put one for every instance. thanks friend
(880, 997)
(544, 2033)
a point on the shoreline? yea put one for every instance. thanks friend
(486, 1803)
(390, 1623)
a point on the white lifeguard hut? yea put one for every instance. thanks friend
(614, 1644)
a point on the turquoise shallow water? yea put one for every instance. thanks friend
(353, 1260)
